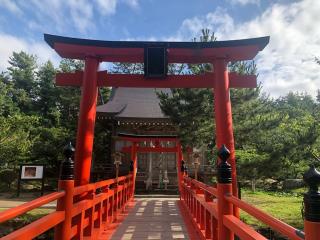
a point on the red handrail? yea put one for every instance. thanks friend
(272, 222)
(103, 207)
(23, 208)
(37, 227)
(203, 200)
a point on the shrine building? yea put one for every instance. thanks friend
(136, 112)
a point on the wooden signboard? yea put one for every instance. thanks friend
(31, 172)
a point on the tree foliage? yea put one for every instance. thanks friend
(36, 117)
(275, 137)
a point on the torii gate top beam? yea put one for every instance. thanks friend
(178, 52)
(142, 138)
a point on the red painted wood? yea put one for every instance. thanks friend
(37, 227)
(175, 55)
(134, 157)
(172, 81)
(103, 53)
(23, 208)
(214, 228)
(66, 209)
(63, 231)
(235, 53)
(148, 139)
(274, 223)
(223, 118)
(158, 149)
(242, 81)
(69, 79)
(312, 230)
(222, 226)
(179, 160)
(242, 230)
(224, 208)
(194, 233)
(208, 225)
(86, 122)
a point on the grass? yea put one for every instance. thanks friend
(18, 222)
(285, 206)
(36, 212)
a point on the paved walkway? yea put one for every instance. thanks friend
(152, 218)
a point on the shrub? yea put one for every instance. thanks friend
(8, 176)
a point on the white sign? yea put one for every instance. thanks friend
(32, 172)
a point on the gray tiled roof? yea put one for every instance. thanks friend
(133, 103)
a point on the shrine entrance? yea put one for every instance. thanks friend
(157, 171)
(156, 57)
(158, 162)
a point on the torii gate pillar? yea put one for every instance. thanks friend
(223, 115)
(86, 122)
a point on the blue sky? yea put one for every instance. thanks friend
(285, 65)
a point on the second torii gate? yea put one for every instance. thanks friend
(134, 149)
(156, 56)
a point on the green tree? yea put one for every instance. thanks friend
(22, 72)
(15, 139)
(48, 95)
(272, 136)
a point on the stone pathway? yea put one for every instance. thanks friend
(152, 218)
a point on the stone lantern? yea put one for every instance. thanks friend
(117, 162)
(196, 164)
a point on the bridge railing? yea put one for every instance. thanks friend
(211, 210)
(81, 211)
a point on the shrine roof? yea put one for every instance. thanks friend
(132, 51)
(133, 103)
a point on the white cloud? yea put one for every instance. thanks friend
(11, 6)
(48, 13)
(244, 2)
(134, 4)
(9, 44)
(81, 13)
(60, 14)
(107, 7)
(286, 64)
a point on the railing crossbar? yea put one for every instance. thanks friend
(241, 229)
(37, 227)
(26, 207)
(272, 222)
(84, 216)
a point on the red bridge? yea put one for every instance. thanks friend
(108, 209)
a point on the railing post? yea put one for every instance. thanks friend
(224, 187)
(66, 183)
(182, 194)
(207, 216)
(311, 201)
(193, 200)
(130, 181)
(179, 160)
(134, 156)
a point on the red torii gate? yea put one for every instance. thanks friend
(93, 52)
(134, 149)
